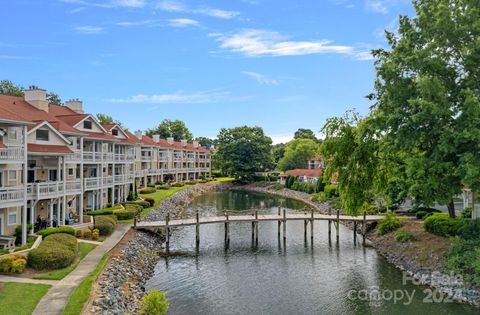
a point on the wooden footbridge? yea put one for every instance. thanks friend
(282, 217)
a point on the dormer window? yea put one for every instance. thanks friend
(115, 132)
(42, 135)
(87, 124)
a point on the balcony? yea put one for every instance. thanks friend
(122, 157)
(75, 157)
(11, 155)
(92, 183)
(11, 197)
(123, 179)
(94, 157)
(55, 189)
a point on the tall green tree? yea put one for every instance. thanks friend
(278, 151)
(53, 98)
(242, 151)
(350, 148)
(205, 142)
(106, 119)
(427, 97)
(8, 88)
(171, 128)
(303, 133)
(297, 153)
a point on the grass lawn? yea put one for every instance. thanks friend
(158, 196)
(224, 179)
(84, 249)
(20, 298)
(81, 294)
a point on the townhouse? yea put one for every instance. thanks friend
(57, 162)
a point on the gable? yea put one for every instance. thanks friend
(89, 124)
(44, 133)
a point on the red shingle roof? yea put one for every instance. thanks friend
(43, 148)
(305, 172)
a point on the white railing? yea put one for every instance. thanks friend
(107, 181)
(92, 156)
(73, 186)
(11, 154)
(45, 190)
(108, 157)
(11, 195)
(121, 157)
(92, 183)
(76, 156)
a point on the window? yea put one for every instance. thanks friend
(52, 175)
(42, 135)
(12, 175)
(12, 218)
(70, 171)
(12, 134)
(87, 124)
(115, 132)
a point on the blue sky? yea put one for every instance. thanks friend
(277, 64)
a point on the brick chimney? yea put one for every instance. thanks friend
(183, 142)
(170, 140)
(37, 97)
(156, 138)
(76, 105)
(138, 134)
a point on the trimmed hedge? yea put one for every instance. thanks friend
(13, 263)
(143, 203)
(100, 212)
(105, 224)
(55, 252)
(151, 201)
(163, 187)
(178, 184)
(330, 191)
(441, 224)
(148, 190)
(62, 229)
(125, 214)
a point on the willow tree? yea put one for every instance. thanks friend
(351, 153)
(427, 92)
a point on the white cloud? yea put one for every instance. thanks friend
(379, 6)
(183, 22)
(257, 43)
(180, 7)
(281, 138)
(109, 4)
(138, 23)
(87, 29)
(179, 97)
(131, 3)
(260, 78)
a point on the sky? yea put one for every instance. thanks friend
(278, 64)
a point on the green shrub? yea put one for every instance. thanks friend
(403, 236)
(320, 185)
(87, 233)
(62, 229)
(13, 263)
(55, 252)
(151, 185)
(148, 190)
(100, 212)
(469, 229)
(95, 234)
(105, 224)
(421, 214)
(390, 223)
(143, 203)
(178, 184)
(416, 209)
(463, 258)
(124, 214)
(330, 191)
(466, 213)
(441, 224)
(78, 233)
(154, 303)
(135, 208)
(278, 186)
(163, 187)
(150, 201)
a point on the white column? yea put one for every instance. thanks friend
(50, 220)
(32, 216)
(64, 178)
(113, 174)
(80, 214)
(24, 212)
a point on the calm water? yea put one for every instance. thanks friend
(276, 278)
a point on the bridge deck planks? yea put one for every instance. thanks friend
(251, 218)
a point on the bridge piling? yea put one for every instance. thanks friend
(305, 222)
(284, 224)
(167, 232)
(355, 232)
(338, 224)
(311, 227)
(197, 229)
(256, 226)
(227, 228)
(329, 223)
(364, 226)
(279, 221)
(253, 227)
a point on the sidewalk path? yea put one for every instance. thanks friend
(27, 280)
(56, 298)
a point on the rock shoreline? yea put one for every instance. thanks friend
(447, 284)
(122, 282)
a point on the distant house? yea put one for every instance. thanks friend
(311, 174)
(315, 162)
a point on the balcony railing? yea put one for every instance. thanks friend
(92, 156)
(11, 196)
(53, 189)
(11, 155)
(75, 157)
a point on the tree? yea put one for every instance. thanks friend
(242, 151)
(427, 99)
(303, 133)
(106, 119)
(278, 151)
(205, 142)
(171, 128)
(8, 88)
(53, 98)
(350, 149)
(297, 154)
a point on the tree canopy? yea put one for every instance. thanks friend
(303, 133)
(106, 119)
(205, 142)
(297, 153)
(54, 98)
(8, 88)
(171, 128)
(242, 151)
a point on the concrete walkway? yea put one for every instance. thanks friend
(56, 298)
(27, 280)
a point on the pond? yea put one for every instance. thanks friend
(277, 277)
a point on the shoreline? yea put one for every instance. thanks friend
(454, 289)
